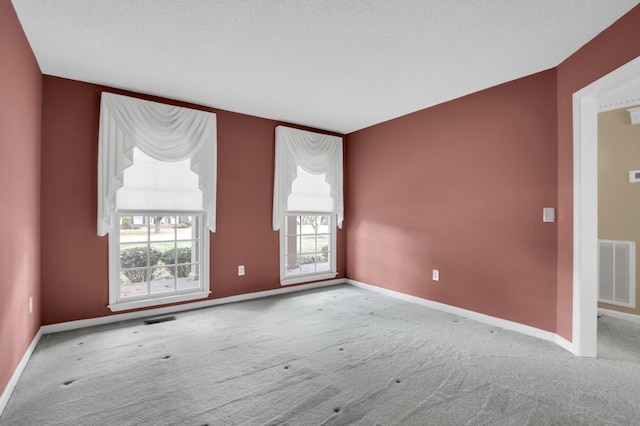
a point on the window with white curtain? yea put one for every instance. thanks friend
(156, 181)
(307, 204)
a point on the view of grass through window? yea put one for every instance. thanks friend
(307, 244)
(158, 254)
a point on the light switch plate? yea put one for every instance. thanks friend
(548, 214)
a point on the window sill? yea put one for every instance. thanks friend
(145, 303)
(308, 278)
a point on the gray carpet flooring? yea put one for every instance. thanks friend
(334, 356)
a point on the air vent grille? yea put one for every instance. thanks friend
(159, 320)
(616, 276)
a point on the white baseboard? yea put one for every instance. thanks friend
(565, 344)
(73, 325)
(476, 316)
(8, 390)
(620, 315)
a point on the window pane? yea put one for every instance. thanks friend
(292, 225)
(160, 229)
(292, 265)
(162, 279)
(134, 276)
(133, 282)
(325, 254)
(323, 241)
(162, 253)
(308, 244)
(188, 276)
(135, 256)
(291, 245)
(186, 253)
(133, 223)
(133, 233)
(183, 270)
(323, 264)
(308, 224)
(187, 227)
(307, 265)
(323, 224)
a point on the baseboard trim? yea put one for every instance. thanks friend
(620, 315)
(565, 344)
(8, 390)
(74, 325)
(476, 316)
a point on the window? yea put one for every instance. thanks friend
(156, 200)
(155, 260)
(159, 261)
(307, 204)
(308, 247)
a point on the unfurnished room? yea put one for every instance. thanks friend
(319, 213)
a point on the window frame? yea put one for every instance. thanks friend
(313, 276)
(117, 303)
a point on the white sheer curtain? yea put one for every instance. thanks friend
(315, 153)
(163, 132)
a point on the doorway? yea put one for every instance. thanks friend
(585, 204)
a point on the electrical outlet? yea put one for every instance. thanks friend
(435, 275)
(240, 270)
(30, 304)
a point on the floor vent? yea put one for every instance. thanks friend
(617, 276)
(158, 320)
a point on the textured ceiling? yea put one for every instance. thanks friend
(339, 65)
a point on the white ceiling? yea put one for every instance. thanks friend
(338, 65)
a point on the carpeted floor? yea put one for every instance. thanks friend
(335, 356)
(618, 340)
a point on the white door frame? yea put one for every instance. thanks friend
(585, 205)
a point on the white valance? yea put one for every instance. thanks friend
(317, 154)
(163, 132)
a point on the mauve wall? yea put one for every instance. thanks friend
(20, 116)
(613, 48)
(460, 188)
(75, 260)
